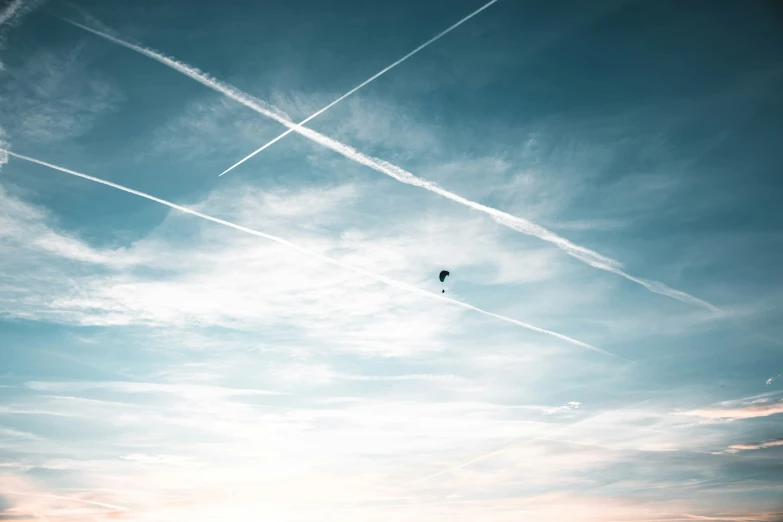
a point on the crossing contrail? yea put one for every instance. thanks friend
(344, 96)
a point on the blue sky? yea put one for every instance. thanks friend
(603, 177)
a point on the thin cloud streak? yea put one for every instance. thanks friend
(736, 448)
(105, 505)
(148, 387)
(522, 225)
(72, 499)
(750, 410)
(412, 377)
(391, 282)
(298, 126)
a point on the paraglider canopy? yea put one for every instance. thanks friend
(442, 276)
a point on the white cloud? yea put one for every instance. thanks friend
(737, 410)
(189, 391)
(572, 405)
(50, 96)
(168, 460)
(32, 225)
(29, 244)
(325, 457)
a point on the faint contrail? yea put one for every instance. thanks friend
(344, 96)
(524, 226)
(105, 505)
(391, 282)
(73, 499)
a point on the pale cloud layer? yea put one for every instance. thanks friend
(225, 430)
(229, 452)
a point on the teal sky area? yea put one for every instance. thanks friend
(602, 180)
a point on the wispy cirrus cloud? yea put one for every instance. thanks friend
(572, 405)
(12, 12)
(522, 225)
(10, 15)
(52, 96)
(23, 222)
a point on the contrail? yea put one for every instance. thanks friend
(344, 96)
(522, 225)
(391, 282)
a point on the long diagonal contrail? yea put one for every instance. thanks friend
(344, 96)
(522, 225)
(386, 280)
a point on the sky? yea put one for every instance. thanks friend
(602, 180)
